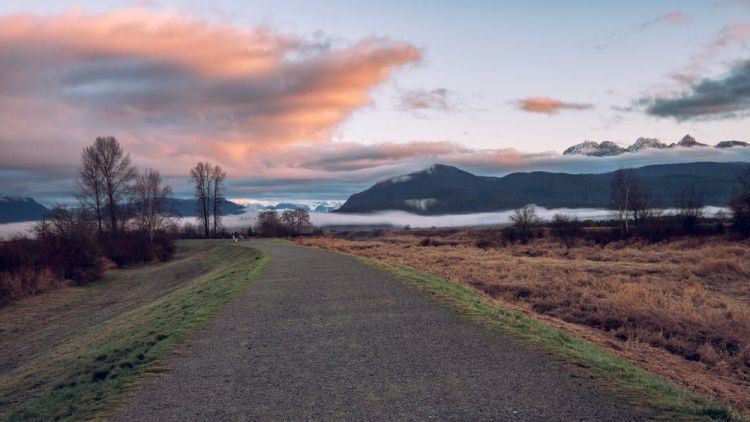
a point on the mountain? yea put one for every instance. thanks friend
(189, 207)
(326, 208)
(281, 206)
(689, 142)
(309, 205)
(595, 149)
(646, 143)
(445, 189)
(16, 209)
(608, 149)
(730, 144)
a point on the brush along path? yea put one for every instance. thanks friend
(322, 336)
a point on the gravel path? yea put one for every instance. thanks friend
(321, 336)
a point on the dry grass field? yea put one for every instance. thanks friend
(680, 309)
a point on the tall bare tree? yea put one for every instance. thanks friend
(216, 178)
(200, 175)
(89, 188)
(150, 197)
(629, 198)
(620, 193)
(106, 176)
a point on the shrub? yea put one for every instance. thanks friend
(740, 206)
(67, 245)
(268, 224)
(134, 247)
(296, 222)
(524, 221)
(566, 229)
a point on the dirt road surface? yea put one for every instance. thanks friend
(322, 336)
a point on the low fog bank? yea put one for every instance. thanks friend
(392, 218)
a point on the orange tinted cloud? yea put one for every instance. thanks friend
(174, 88)
(548, 105)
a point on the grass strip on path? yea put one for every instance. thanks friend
(87, 376)
(645, 387)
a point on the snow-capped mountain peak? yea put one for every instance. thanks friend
(645, 143)
(595, 149)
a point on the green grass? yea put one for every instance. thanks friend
(638, 384)
(88, 376)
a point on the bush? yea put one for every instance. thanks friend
(524, 221)
(134, 247)
(67, 245)
(268, 224)
(740, 206)
(566, 229)
(64, 248)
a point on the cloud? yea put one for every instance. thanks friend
(733, 33)
(548, 105)
(709, 98)
(671, 18)
(175, 89)
(420, 100)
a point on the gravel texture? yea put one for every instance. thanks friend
(321, 336)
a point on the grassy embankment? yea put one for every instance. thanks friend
(115, 332)
(559, 299)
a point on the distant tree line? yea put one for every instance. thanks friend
(633, 217)
(290, 223)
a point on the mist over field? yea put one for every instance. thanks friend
(391, 218)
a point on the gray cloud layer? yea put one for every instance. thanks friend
(709, 98)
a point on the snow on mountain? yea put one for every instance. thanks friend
(595, 149)
(645, 143)
(308, 205)
(607, 148)
(689, 141)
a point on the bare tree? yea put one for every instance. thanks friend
(150, 197)
(620, 196)
(216, 179)
(629, 198)
(640, 201)
(296, 221)
(268, 224)
(116, 172)
(689, 208)
(89, 188)
(524, 221)
(200, 177)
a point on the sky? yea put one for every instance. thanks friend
(318, 100)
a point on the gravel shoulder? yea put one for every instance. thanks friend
(321, 336)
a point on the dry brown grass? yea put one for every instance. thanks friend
(27, 282)
(681, 309)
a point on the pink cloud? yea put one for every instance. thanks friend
(548, 105)
(672, 18)
(733, 33)
(175, 89)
